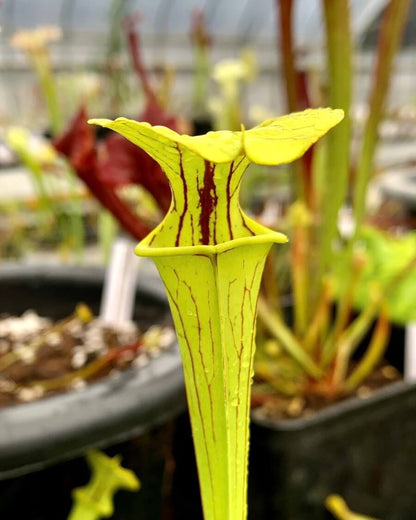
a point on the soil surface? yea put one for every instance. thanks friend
(39, 357)
(270, 404)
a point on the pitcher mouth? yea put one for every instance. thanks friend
(273, 237)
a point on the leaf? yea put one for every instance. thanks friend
(114, 162)
(385, 257)
(205, 171)
(275, 141)
(286, 138)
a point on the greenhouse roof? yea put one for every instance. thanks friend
(86, 24)
(236, 18)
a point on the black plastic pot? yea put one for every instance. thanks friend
(41, 433)
(47, 494)
(363, 449)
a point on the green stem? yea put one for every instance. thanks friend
(350, 340)
(373, 354)
(76, 226)
(389, 41)
(346, 304)
(201, 42)
(42, 67)
(288, 341)
(337, 22)
(337, 152)
(200, 82)
(320, 319)
(300, 274)
(107, 231)
(35, 170)
(269, 286)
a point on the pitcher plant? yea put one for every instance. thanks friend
(210, 256)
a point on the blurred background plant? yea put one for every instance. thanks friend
(119, 185)
(59, 221)
(58, 212)
(95, 500)
(201, 42)
(338, 507)
(230, 75)
(34, 43)
(312, 355)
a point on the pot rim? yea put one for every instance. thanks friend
(332, 413)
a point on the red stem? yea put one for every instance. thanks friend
(117, 352)
(110, 200)
(295, 85)
(284, 9)
(78, 144)
(136, 57)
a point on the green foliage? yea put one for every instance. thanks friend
(65, 219)
(322, 339)
(384, 258)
